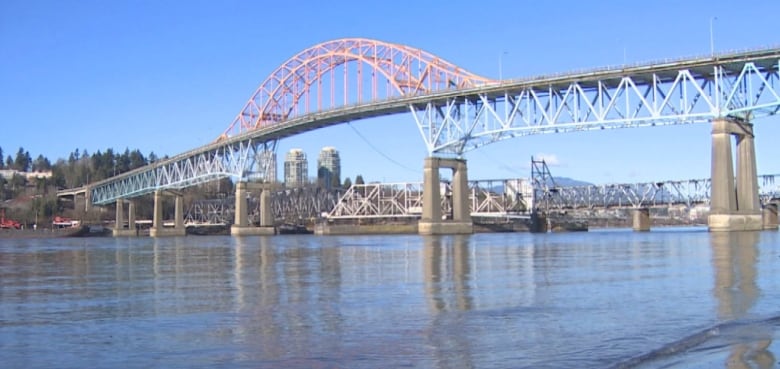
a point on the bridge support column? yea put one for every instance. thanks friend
(158, 228)
(241, 225)
(87, 204)
(88, 200)
(431, 221)
(131, 217)
(769, 216)
(641, 220)
(733, 208)
(178, 215)
(266, 216)
(119, 227)
(120, 215)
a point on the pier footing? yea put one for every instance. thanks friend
(735, 222)
(251, 231)
(432, 228)
(167, 232)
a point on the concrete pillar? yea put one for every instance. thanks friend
(431, 207)
(119, 229)
(241, 225)
(120, 214)
(641, 220)
(431, 221)
(88, 199)
(769, 217)
(460, 193)
(241, 206)
(131, 215)
(734, 208)
(266, 215)
(747, 175)
(157, 218)
(178, 214)
(158, 227)
(723, 196)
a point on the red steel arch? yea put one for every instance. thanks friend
(345, 72)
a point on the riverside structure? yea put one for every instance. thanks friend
(457, 111)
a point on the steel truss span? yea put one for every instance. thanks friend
(650, 194)
(287, 205)
(404, 200)
(745, 86)
(457, 111)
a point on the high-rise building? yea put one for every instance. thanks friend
(296, 168)
(329, 168)
(266, 166)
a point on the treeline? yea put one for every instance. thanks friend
(23, 162)
(77, 170)
(82, 168)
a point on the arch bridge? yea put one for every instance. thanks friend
(457, 111)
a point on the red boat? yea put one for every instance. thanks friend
(8, 223)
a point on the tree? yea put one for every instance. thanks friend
(41, 164)
(1, 158)
(347, 182)
(23, 160)
(9, 163)
(137, 159)
(359, 180)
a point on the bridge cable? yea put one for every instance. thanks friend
(378, 151)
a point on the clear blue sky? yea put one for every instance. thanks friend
(168, 76)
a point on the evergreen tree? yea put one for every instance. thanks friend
(347, 182)
(23, 160)
(359, 180)
(1, 158)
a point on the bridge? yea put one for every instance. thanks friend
(457, 111)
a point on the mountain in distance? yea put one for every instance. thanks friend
(570, 182)
(559, 181)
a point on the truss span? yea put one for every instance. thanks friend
(343, 72)
(456, 111)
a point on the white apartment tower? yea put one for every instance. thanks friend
(329, 168)
(296, 168)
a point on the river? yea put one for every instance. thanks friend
(669, 298)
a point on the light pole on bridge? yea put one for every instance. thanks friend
(712, 37)
(501, 64)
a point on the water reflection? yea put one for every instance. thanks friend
(446, 267)
(734, 257)
(446, 271)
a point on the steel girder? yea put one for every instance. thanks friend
(233, 159)
(287, 205)
(296, 204)
(650, 194)
(682, 92)
(501, 197)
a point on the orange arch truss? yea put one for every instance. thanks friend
(345, 72)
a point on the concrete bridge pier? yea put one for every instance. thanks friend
(641, 219)
(431, 222)
(769, 216)
(119, 227)
(158, 229)
(734, 207)
(241, 226)
(83, 200)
